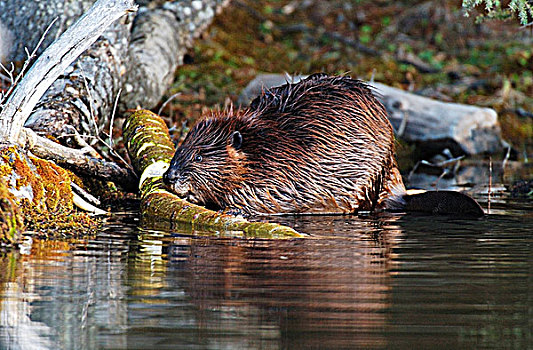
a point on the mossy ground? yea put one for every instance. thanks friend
(44, 202)
(489, 64)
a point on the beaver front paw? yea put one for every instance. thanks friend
(234, 212)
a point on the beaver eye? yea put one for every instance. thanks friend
(236, 141)
(198, 158)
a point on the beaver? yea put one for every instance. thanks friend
(323, 145)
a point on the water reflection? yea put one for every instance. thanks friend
(273, 294)
(391, 281)
(65, 295)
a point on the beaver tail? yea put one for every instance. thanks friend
(435, 202)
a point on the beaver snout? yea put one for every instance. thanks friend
(178, 183)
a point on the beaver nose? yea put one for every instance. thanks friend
(177, 182)
(170, 176)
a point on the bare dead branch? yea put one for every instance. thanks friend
(76, 160)
(54, 60)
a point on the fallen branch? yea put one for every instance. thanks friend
(76, 159)
(53, 62)
(151, 150)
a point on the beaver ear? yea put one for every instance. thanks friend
(236, 140)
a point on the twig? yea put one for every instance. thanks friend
(91, 110)
(84, 194)
(9, 78)
(409, 58)
(88, 149)
(445, 165)
(415, 168)
(403, 124)
(506, 158)
(30, 57)
(373, 75)
(436, 183)
(9, 72)
(81, 203)
(448, 162)
(112, 121)
(167, 101)
(521, 112)
(490, 185)
(96, 131)
(76, 159)
(80, 141)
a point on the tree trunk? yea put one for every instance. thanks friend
(136, 56)
(81, 101)
(160, 38)
(53, 62)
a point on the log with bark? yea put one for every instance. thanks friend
(32, 183)
(76, 111)
(432, 125)
(132, 62)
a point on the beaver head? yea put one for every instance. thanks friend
(212, 163)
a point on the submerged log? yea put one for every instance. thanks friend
(151, 150)
(431, 124)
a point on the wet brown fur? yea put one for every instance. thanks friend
(323, 145)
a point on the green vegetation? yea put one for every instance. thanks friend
(494, 10)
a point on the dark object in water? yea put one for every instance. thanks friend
(443, 202)
(522, 188)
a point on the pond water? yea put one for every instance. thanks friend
(386, 281)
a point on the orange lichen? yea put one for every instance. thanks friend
(11, 219)
(58, 193)
(36, 192)
(34, 182)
